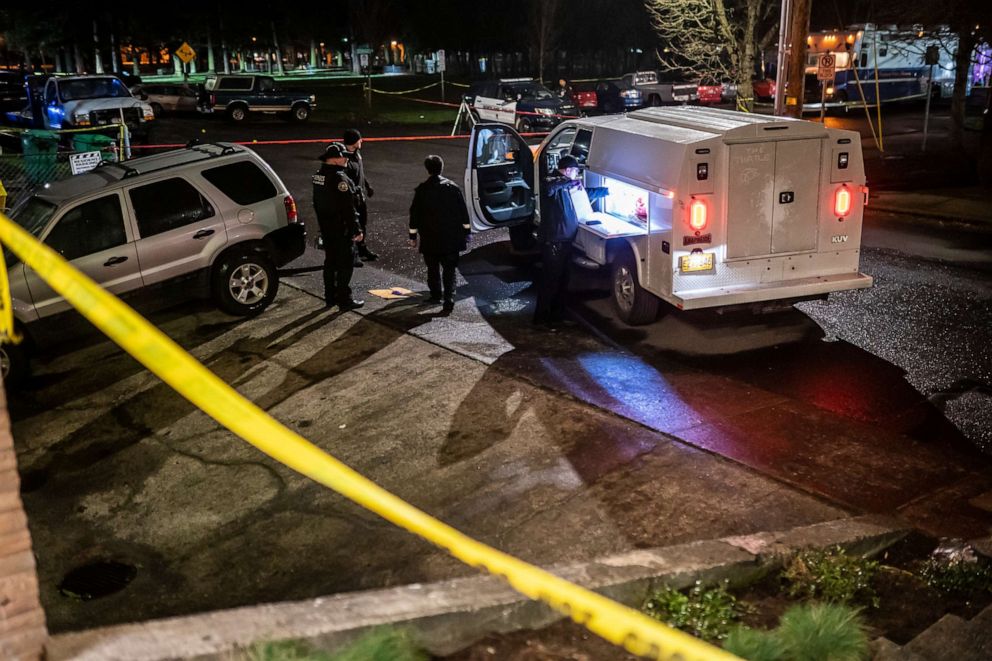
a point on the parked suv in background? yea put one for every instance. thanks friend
(85, 101)
(520, 102)
(238, 95)
(213, 218)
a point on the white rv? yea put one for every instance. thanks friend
(706, 207)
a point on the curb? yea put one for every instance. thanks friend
(450, 615)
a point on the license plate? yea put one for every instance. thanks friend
(697, 261)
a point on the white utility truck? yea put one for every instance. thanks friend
(706, 207)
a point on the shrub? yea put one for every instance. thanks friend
(823, 632)
(754, 644)
(957, 577)
(382, 644)
(704, 612)
(831, 575)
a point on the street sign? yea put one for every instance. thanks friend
(185, 53)
(825, 67)
(84, 162)
(440, 61)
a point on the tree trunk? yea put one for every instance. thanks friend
(313, 53)
(211, 65)
(115, 57)
(962, 65)
(797, 58)
(98, 62)
(275, 43)
(80, 67)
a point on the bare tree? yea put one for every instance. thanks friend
(546, 25)
(720, 39)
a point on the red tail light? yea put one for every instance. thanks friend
(213, 99)
(291, 214)
(697, 215)
(842, 202)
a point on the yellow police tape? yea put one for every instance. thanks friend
(616, 623)
(418, 89)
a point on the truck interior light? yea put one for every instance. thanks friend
(697, 215)
(842, 202)
(842, 160)
(702, 171)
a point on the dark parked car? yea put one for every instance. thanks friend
(617, 96)
(239, 95)
(13, 94)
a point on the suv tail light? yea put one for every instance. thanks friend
(291, 215)
(213, 99)
(842, 202)
(697, 215)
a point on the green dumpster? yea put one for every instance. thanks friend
(41, 149)
(87, 142)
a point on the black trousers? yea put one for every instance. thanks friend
(556, 258)
(339, 263)
(441, 275)
(363, 222)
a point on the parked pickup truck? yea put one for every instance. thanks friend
(238, 95)
(657, 92)
(90, 101)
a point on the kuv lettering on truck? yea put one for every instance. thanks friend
(706, 207)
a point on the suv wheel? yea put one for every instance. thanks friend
(300, 113)
(244, 283)
(13, 363)
(237, 113)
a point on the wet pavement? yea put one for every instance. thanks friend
(609, 437)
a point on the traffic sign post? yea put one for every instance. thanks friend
(825, 68)
(186, 54)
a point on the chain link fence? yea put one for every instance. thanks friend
(31, 158)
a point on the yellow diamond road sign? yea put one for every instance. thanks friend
(185, 53)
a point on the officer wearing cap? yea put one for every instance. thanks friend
(559, 225)
(334, 201)
(356, 172)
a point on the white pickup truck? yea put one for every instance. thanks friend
(89, 101)
(706, 207)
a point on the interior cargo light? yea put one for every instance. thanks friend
(697, 215)
(842, 202)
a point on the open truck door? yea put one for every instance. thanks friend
(499, 179)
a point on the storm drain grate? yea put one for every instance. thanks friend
(97, 579)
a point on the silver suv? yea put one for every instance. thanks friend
(214, 215)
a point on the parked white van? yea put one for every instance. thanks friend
(706, 207)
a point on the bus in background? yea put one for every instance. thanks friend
(896, 54)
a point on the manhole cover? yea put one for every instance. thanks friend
(97, 579)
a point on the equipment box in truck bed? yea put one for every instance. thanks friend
(706, 207)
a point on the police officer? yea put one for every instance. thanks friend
(559, 225)
(356, 172)
(438, 217)
(334, 201)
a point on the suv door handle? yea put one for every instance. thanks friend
(113, 261)
(202, 234)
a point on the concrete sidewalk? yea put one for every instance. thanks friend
(969, 205)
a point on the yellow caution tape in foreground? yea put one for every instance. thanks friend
(616, 623)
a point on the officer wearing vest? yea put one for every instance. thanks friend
(356, 172)
(334, 202)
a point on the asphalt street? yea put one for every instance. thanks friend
(551, 446)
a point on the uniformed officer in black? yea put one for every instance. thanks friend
(438, 217)
(356, 171)
(334, 201)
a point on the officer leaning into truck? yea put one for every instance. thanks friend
(334, 200)
(356, 171)
(559, 225)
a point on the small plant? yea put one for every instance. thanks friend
(831, 575)
(704, 612)
(956, 577)
(823, 632)
(810, 632)
(382, 644)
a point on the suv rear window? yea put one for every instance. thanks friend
(166, 205)
(243, 84)
(243, 182)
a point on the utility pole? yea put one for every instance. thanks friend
(798, 31)
(782, 59)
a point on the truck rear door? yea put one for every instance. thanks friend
(499, 179)
(773, 191)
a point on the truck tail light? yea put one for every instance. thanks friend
(291, 215)
(697, 215)
(842, 202)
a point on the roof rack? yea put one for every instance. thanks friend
(192, 145)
